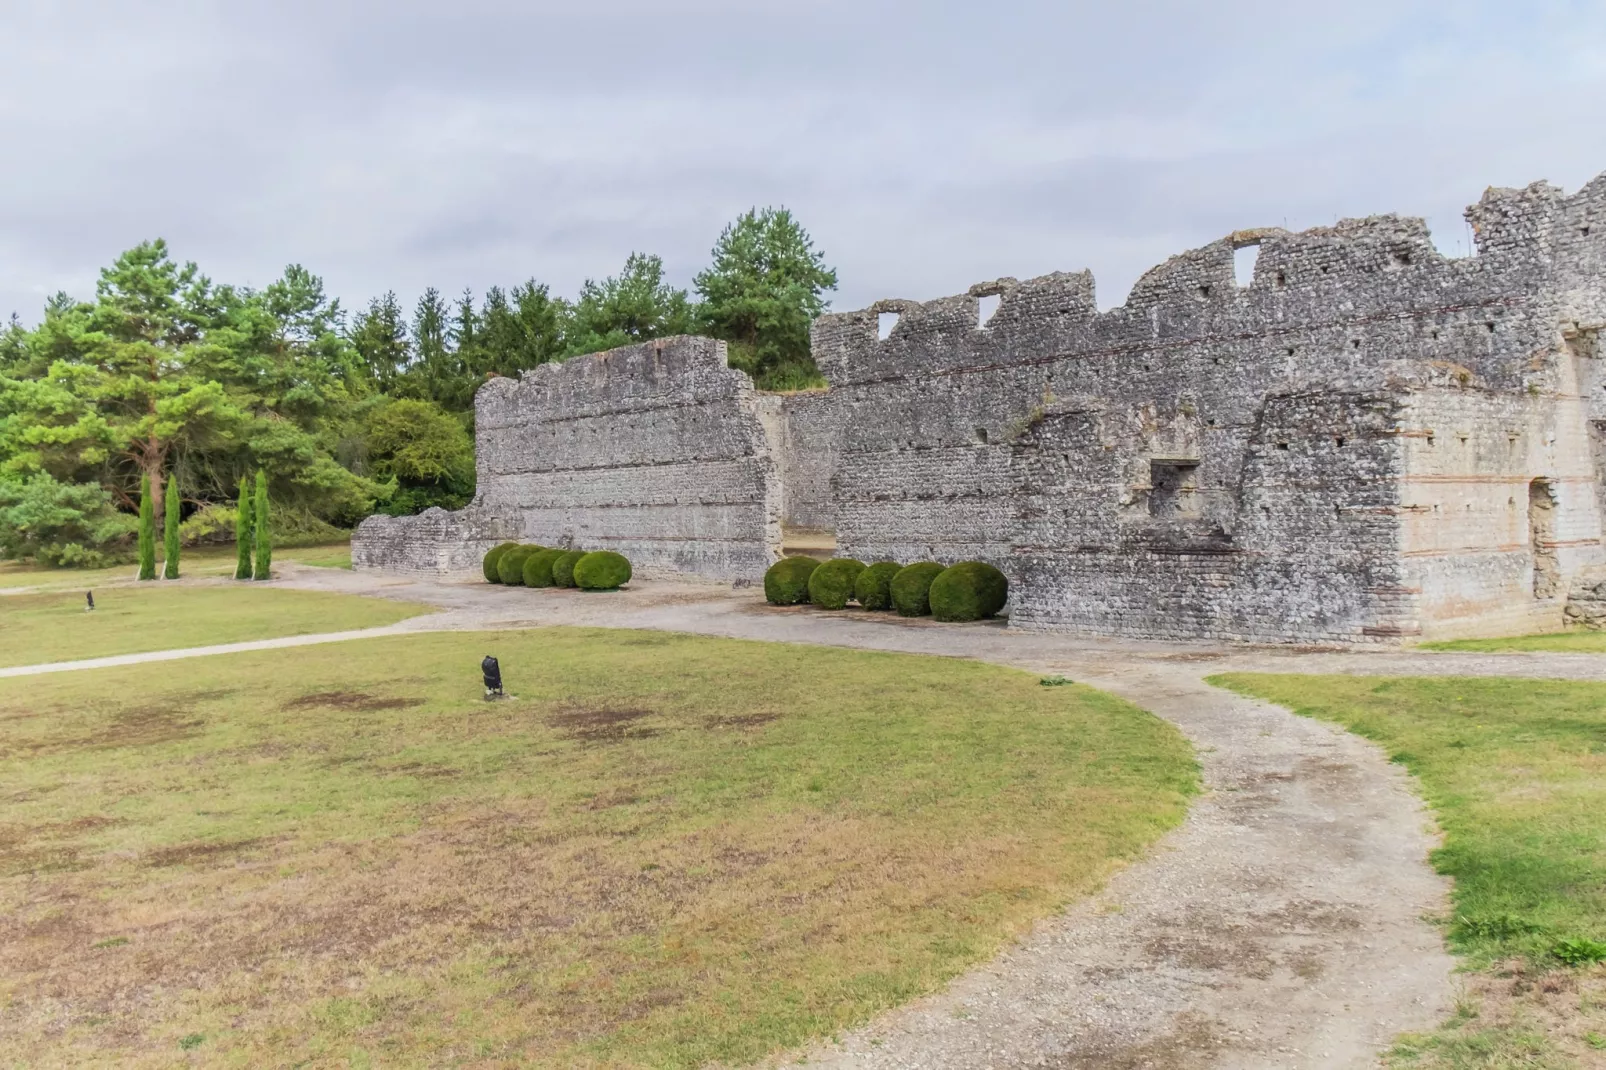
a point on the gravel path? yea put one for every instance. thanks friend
(1283, 925)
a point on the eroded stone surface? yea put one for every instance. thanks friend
(1367, 442)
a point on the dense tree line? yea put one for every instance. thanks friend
(166, 376)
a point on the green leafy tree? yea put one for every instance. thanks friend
(147, 531)
(425, 451)
(243, 513)
(260, 531)
(62, 524)
(521, 330)
(764, 289)
(126, 380)
(170, 519)
(634, 306)
(379, 335)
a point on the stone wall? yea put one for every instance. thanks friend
(1218, 460)
(656, 451)
(1365, 441)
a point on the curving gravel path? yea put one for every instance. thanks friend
(1285, 924)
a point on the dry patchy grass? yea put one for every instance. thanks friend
(664, 851)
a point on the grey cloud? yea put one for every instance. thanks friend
(927, 146)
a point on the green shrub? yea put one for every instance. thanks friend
(492, 556)
(170, 519)
(873, 588)
(831, 585)
(262, 532)
(244, 517)
(786, 583)
(64, 525)
(510, 566)
(563, 568)
(538, 568)
(911, 587)
(601, 570)
(970, 590)
(147, 531)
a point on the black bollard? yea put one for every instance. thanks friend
(493, 678)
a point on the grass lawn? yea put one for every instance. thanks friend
(1515, 770)
(43, 626)
(1579, 642)
(200, 561)
(662, 851)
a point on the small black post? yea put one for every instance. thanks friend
(89, 597)
(493, 678)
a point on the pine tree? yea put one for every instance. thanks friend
(170, 530)
(264, 540)
(147, 530)
(242, 531)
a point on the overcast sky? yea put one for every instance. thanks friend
(926, 146)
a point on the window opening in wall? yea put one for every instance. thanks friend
(1282, 278)
(1244, 259)
(1173, 488)
(1204, 291)
(987, 308)
(885, 323)
(1542, 539)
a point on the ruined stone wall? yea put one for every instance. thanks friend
(1365, 441)
(1209, 459)
(656, 451)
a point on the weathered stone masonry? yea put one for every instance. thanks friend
(1368, 442)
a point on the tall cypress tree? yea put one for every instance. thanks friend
(264, 541)
(170, 530)
(147, 530)
(242, 531)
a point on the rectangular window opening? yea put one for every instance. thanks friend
(1244, 259)
(1174, 489)
(885, 323)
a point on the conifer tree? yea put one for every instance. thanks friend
(242, 531)
(264, 540)
(170, 530)
(147, 530)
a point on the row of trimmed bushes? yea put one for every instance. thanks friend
(970, 590)
(528, 565)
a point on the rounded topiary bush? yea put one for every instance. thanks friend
(831, 585)
(911, 588)
(970, 590)
(563, 568)
(786, 583)
(601, 570)
(538, 568)
(492, 556)
(510, 567)
(873, 588)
